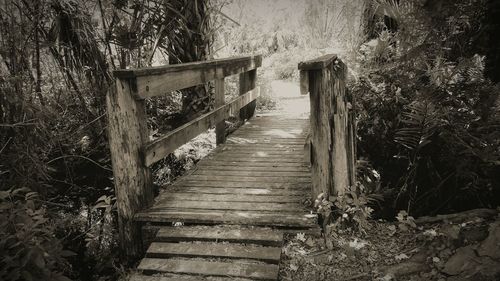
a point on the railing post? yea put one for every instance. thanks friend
(247, 83)
(127, 133)
(220, 128)
(332, 145)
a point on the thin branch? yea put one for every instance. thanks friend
(80, 156)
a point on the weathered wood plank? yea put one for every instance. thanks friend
(182, 277)
(242, 191)
(276, 160)
(299, 219)
(332, 168)
(272, 179)
(250, 163)
(168, 203)
(220, 128)
(247, 83)
(250, 270)
(268, 168)
(155, 81)
(304, 82)
(231, 183)
(317, 63)
(252, 173)
(156, 150)
(226, 251)
(262, 155)
(260, 236)
(185, 196)
(127, 131)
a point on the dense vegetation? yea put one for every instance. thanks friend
(428, 115)
(424, 75)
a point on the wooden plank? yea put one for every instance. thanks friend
(304, 82)
(299, 219)
(181, 277)
(273, 179)
(168, 203)
(260, 236)
(127, 131)
(301, 169)
(242, 191)
(317, 63)
(231, 183)
(264, 147)
(226, 251)
(185, 196)
(247, 82)
(154, 81)
(158, 149)
(220, 128)
(249, 163)
(250, 270)
(275, 160)
(262, 155)
(240, 140)
(252, 173)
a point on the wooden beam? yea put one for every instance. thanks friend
(156, 150)
(247, 82)
(128, 131)
(317, 63)
(304, 82)
(155, 81)
(332, 129)
(220, 128)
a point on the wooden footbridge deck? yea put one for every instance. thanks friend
(225, 219)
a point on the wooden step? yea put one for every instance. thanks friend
(260, 236)
(214, 250)
(291, 220)
(181, 277)
(210, 268)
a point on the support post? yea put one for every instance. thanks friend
(220, 128)
(128, 132)
(247, 83)
(332, 128)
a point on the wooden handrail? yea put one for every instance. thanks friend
(158, 149)
(154, 81)
(332, 130)
(132, 153)
(318, 63)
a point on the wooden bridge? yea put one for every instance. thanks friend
(238, 202)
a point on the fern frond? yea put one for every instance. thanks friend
(421, 122)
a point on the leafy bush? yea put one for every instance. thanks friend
(428, 118)
(28, 246)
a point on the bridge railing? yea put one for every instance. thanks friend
(132, 151)
(332, 125)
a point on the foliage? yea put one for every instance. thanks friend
(428, 118)
(349, 210)
(28, 246)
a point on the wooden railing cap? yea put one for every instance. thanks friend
(317, 63)
(137, 72)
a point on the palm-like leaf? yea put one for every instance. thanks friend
(421, 122)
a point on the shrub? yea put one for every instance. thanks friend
(428, 118)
